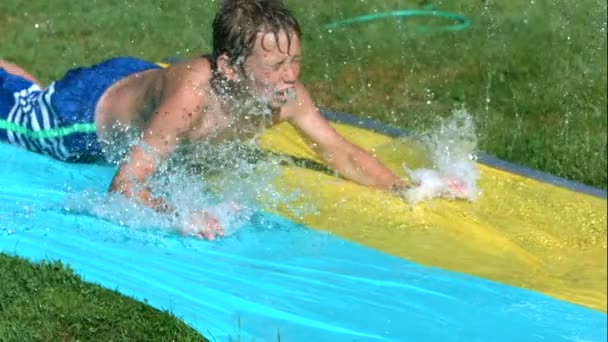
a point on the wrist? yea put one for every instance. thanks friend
(400, 187)
(161, 206)
(156, 203)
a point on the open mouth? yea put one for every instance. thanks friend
(284, 94)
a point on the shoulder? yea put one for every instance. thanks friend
(186, 85)
(185, 90)
(194, 72)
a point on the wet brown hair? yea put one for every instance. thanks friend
(237, 23)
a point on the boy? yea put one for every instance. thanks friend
(249, 82)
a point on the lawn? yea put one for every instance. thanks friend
(532, 73)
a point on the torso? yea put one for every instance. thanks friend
(127, 106)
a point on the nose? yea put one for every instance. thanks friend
(290, 74)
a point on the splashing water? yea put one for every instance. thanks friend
(452, 145)
(225, 180)
(185, 196)
(229, 181)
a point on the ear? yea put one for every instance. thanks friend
(225, 67)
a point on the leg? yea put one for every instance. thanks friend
(18, 71)
(21, 112)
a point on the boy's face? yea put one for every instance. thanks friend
(272, 69)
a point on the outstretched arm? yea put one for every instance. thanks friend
(178, 109)
(349, 160)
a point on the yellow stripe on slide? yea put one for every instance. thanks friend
(521, 231)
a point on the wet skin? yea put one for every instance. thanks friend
(179, 103)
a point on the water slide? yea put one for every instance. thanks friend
(526, 260)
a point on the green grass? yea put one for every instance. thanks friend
(532, 73)
(48, 302)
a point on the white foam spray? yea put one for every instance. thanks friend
(454, 175)
(230, 182)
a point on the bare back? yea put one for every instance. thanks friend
(129, 105)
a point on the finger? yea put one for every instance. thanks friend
(215, 226)
(208, 235)
(459, 191)
(456, 185)
(212, 225)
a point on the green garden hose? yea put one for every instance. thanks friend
(461, 22)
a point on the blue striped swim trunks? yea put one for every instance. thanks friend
(59, 121)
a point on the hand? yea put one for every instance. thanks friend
(430, 184)
(203, 225)
(455, 187)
